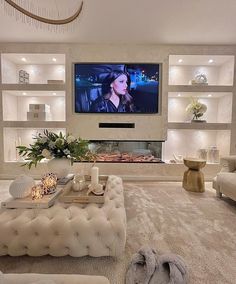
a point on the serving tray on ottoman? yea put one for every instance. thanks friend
(67, 228)
(70, 196)
(45, 202)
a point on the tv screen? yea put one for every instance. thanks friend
(116, 87)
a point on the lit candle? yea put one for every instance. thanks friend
(94, 175)
(37, 191)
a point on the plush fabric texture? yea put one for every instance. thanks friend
(198, 227)
(33, 278)
(67, 229)
(225, 181)
(148, 267)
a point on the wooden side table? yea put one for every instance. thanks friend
(193, 179)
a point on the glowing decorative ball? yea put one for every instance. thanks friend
(49, 182)
(37, 191)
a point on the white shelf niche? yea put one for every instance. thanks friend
(16, 104)
(187, 143)
(40, 67)
(13, 137)
(219, 69)
(219, 106)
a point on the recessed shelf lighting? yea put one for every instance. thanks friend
(210, 95)
(54, 59)
(210, 61)
(179, 95)
(54, 94)
(23, 59)
(24, 94)
(180, 60)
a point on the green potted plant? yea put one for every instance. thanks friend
(54, 147)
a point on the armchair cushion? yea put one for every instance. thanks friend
(225, 181)
(228, 164)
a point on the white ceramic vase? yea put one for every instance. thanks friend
(21, 186)
(59, 166)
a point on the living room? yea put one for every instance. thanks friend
(146, 147)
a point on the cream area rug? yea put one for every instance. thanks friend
(198, 226)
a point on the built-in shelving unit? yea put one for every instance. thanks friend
(32, 98)
(215, 90)
(48, 80)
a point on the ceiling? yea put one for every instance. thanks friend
(134, 22)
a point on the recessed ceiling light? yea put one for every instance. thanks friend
(180, 60)
(24, 94)
(210, 95)
(23, 59)
(210, 61)
(179, 95)
(54, 59)
(54, 94)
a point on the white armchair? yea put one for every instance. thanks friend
(225, 181)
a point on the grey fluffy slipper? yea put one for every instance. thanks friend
(142, 266)
(147, 267)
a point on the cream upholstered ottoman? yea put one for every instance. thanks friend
(26, 278)
(67, 229)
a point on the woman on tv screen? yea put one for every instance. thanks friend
(116, 88)
(115, 96)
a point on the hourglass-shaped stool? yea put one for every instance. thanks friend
(193, 179)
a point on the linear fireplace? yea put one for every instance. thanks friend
(117, 151)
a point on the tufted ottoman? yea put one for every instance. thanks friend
(67, 229)
(27, 278)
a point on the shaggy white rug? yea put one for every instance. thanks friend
(198, 226)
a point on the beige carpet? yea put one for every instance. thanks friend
(199, 227)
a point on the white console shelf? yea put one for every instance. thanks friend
(16, 104)
(41, 68)
(219, 69)
(186, 138)
(36, 79)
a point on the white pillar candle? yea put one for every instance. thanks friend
(94, 175)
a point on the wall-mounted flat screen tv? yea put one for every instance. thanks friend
(116, 87)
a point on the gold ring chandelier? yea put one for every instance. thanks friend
(26, 8)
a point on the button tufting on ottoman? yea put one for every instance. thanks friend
(75, 230)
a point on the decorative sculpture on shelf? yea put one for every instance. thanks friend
(200, 79)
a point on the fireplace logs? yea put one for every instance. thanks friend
(127, 157)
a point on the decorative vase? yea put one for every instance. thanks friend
(78, 183)
(21, 186)
(59, 166)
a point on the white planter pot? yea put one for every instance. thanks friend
(59, 166)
